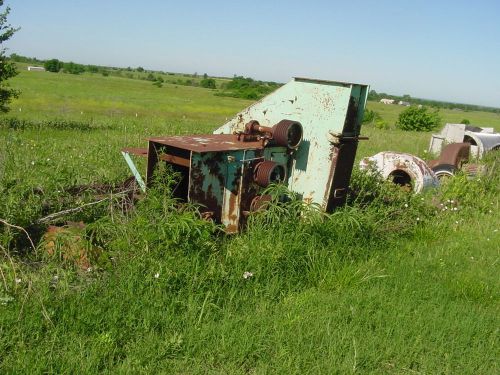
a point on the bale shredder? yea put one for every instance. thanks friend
(305, 135)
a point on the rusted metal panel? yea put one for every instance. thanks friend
(455, 154)
(230, 216)
(175, 160)
(206, 183)
(403, 169)
(207, 143)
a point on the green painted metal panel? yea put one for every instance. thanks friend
(322, 107)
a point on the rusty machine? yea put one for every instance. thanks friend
(304, 135)
(455, 146)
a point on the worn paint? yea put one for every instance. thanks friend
(404, 169)
(134, 170)
(322, 108)
(307, 130)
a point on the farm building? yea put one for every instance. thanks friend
(36, 68)
(387, 101)
(406, 104)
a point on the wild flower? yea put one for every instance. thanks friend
(247, 275)
(18, 281)
(157, 275)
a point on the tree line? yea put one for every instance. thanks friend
(375, 96)
(238, 86)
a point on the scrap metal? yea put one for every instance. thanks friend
(481, 139)
(403, 169)
(304, 135)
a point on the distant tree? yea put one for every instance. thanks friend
(372, 95)
(195, 75)
(53, 65)
(208, 83)
(418, 119)
(92, 69)
(205, 75)
(18, 58)
(140, 69)
(247, 88)
(151, 77)
(7, 68)
(465, 121)
(73, 68)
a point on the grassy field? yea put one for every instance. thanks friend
(392, 283)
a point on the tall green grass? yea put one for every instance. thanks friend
(391, 283)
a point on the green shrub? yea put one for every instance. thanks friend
(208, 83)
(73, 68)
(92, 69)
(247, 88)
(369, 116)
(381, 124)
(53, 65)
(418, 119)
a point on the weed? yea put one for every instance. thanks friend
(389, 283)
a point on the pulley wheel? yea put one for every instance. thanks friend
(268, 172)
(288, 133)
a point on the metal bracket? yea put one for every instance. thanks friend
(134, 170)
(338, 138)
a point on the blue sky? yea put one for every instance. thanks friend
(447, 50)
